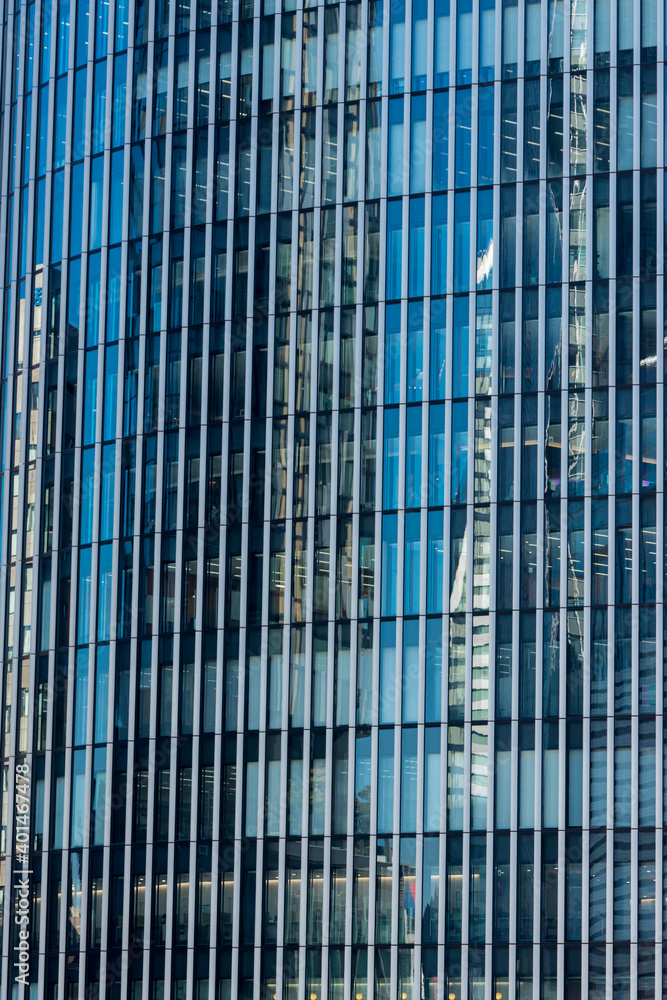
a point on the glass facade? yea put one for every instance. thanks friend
(332, 505)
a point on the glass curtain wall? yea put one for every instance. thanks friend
(332, 498)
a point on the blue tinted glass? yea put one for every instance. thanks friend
(485, 135)
(76, 211)
(73, 298)
(387, 672)
(394, 248)
(102, 27)
(39, 222)
(113, 294)
(599, 660)
(43, 130)
(459, 452)
(119, 88)
(436, 460)
(79, 126)
(416, 262)
(647, 450)
(413, 457)
(554, 305)
(484, 239)
(390, 464)
(622, 660)
(623, 550)
(419, 43)
(462, 242)
(99, 107)
(464, 38)
(116, 218)
(463, 137)
(101, 694)
(83, 619)
(397, 48)
(81, 698)
(386, 778)
(24, 201)
(122, 22)
(28, 136)
(507, 236)
(46, 49)
(440, 140)
(487, 39)
(107, 492)
(554, 231)
(415, 357)
(105, 592)
(60, 123)
(93, 312)
(439, 245)
(82, 18)
(395, 152)
(136, 191)
(63, 36)
(460, 343)
(87, 491)
(483, 344)
(438, 347)
(418, 145)
(392, 354)
(389, 563)
(442, 29)
(110, 391)
(435, 595)
(412, 562)
(90, 398)
(624, 441)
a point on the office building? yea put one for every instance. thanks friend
(332, 499)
